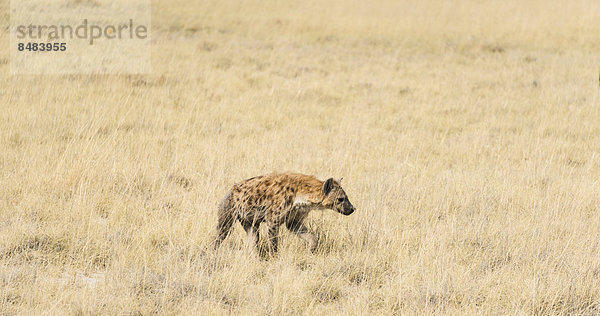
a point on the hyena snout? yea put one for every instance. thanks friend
(347, 208)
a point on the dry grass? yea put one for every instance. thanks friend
(467, 134)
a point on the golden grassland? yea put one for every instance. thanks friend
(467, 134)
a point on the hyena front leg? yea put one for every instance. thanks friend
(298, 228)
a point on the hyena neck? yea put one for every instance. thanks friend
(303, 201)
(310, 195)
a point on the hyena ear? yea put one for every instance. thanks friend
(328, 186)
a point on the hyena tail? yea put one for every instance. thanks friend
(226, 217)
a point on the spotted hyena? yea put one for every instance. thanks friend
(277, 199)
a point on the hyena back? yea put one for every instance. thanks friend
(277, 199)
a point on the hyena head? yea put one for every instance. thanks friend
(335, 197)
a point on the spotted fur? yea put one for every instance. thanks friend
(276, 199)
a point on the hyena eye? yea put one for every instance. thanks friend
(341, 199)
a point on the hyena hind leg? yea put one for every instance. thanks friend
(252, 231)
(273, 238)
(223, 229)
(225, 220)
